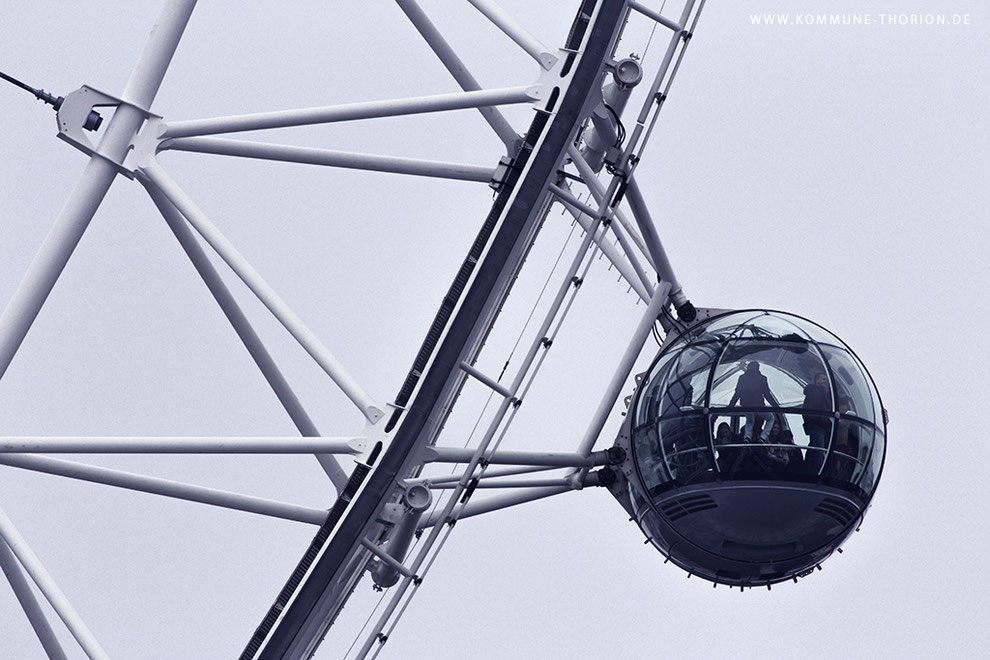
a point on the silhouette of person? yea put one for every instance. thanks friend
(846, 448)
(752, 390)
(779, 456)
(795, 464)
(726, 455)
(817, 397)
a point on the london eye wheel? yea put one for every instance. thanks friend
(276, 295)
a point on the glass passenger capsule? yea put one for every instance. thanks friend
(756, 440)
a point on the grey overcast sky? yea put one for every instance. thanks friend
(836, 171)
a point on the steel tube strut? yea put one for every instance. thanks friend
(496, 502)
(179, 445)
(456, 67)
(351, 111)
(546, 482)
(448, 511)
(165, 487)
(668, 57)
(630, 269)
(482, 378)
(35, 615)
(659, 254)
(271, 372)
(509, 457)
(627, 265)
(384, 556)
(157, 176)
(331, 158)
(489, 474)
(300, 617)
(58, 601)
(598, 192)
(516, 32)
(100, 172)
(622, 371)
(656, 16)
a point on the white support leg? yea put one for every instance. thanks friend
(59, 602)
(516, 32)
(489, 474)
(457, 69)
(632, 142)
(653, 242)
(547, 482)
(179, 445)
(489, 382)
(504, 501)
(52, 257)
(330, 158)
(622, 371)
(35, 615)
(165, 487)
(94, 183)
(448, 513)
(512, 457)
(598, 193)
(286, 396)
(627, 264)
(351, 111)
(629, 268)
(656, 16)
(157, 176)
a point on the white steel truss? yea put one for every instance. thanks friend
(130, 146)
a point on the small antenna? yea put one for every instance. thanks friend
(93, 121)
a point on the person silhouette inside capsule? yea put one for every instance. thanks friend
(778, 456)
(817, 398)
(753, 391)
(842, 464)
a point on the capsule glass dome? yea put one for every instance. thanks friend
(756, 441)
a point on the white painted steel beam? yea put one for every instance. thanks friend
(656, 16)
(515, 31)
(565, 195)
(286, 396)
(58, 601)
(597, 191)
(482, 378)
(630, 269)
(179, 445)
(488, 474)
(351, 111)
(95, 181)
(656, 94)
(622, 371)
(509, 457)
(496, 502)
(653, 242)
(384, 556)
(333, 368)
(512, 483)
(331, 158)
(165, 487)
(456, 67)
(576, 206)
(632, 142)
(603, 14)
(36, 616)
(627, 264)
